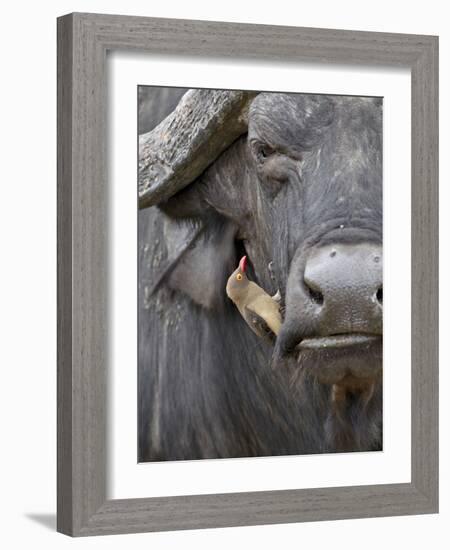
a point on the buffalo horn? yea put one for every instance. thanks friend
(179, 149)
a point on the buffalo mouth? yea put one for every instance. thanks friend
(336, 358)
(337, 341)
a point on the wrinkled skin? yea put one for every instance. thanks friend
(307, 176)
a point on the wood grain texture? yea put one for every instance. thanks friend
(83, 40)
(82, 264)
(64, 300)
(424, 276)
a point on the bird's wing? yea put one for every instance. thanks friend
(267, 309)
(258, 325)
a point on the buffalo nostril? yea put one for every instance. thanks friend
(379, 295)
(315, 294)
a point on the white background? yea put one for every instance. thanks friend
(129, 479)
(28, 300)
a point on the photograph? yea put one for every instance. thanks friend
(217, 203)
(260, 273)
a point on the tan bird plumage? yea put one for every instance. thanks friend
(260, 311)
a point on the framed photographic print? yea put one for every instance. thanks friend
(247, 274)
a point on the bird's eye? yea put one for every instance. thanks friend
(239, 277)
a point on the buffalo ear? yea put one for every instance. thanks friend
(201, 272)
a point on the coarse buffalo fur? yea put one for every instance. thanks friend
(307, 173)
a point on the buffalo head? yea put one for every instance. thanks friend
(295, 183)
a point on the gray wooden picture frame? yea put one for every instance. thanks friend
(83, 41)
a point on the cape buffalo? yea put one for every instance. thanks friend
(294, 182)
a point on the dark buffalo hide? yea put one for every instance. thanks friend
(305, 175)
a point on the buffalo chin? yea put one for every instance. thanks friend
(351, 360)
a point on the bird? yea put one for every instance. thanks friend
(259, 310)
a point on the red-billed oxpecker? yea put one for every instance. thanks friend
(260, 311)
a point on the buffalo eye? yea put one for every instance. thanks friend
(262, 152)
